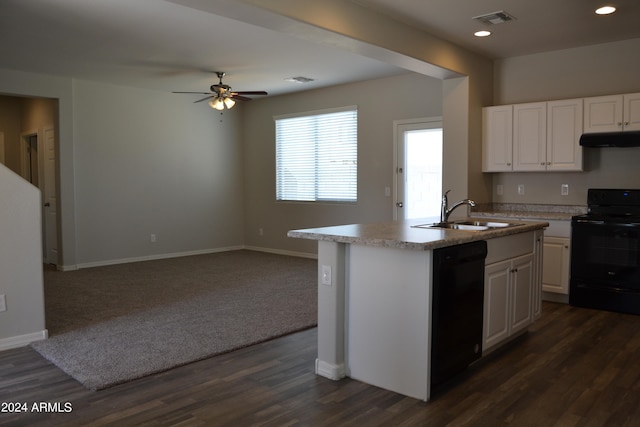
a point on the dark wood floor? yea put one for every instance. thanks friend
(576, 367)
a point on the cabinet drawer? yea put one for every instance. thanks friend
(507, 247)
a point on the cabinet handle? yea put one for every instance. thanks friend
(619, 123)
(626, 123)
(548, 163)
(515, 270)
(542, 164)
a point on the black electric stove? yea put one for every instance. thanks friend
(605, 252)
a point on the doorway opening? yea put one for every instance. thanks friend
(38, 166)
(419, 151)
(30, 160)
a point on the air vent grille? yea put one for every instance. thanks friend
(299, 79)
(495, 18)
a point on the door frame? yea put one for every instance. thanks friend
(397, 140)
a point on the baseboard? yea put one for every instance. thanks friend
(183, 254)
(554, 297)
(282, 252)
(152, 257)
(22, 340)
(328, 370)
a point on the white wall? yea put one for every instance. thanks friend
(150, 162)
(21, 280)
(414, 96)
(604, 69)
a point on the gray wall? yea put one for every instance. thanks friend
(604, 69)
(153, 162)
(421, 96)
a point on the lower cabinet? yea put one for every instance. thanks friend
(508, 299)
(555, 275)
(512, 291)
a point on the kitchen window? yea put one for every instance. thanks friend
(317, 156)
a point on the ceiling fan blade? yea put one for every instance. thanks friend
(199, 93)
(250, 92)
(204, 99)
(234, 95)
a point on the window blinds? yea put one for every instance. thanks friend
(317, 156)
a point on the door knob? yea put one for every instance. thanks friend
(46, 205)
(399, 204)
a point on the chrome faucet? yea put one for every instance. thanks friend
(445, 211)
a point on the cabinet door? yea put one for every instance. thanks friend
(564, 127)
(497, 279)
(631, 111)
(555, 272)
(497, 138)
(530, 136)
(603, 114)
(522, 274)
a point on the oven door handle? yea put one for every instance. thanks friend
(589, 221)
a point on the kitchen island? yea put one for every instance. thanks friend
(375, 292)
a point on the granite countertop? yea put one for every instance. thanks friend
(401, 234)
(529, 211)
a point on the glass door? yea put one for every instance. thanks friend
(418, 190)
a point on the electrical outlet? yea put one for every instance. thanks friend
(499, 189)
(3, 303)
(325, 275)
(564, 190)
(387, 191)
(152, 238)
(521, 189)
(260, 231)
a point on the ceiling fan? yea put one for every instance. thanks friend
(222, 96)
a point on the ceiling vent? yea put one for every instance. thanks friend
(299, 79)
(495, 18)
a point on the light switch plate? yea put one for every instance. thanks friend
(521, 189)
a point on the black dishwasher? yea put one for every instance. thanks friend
(457, 309)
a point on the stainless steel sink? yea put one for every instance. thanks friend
(467, 225)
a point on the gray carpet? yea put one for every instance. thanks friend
(110, 325)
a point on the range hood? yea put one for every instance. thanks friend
(611, 139)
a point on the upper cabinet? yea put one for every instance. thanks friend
(530, 137)
(539, 136)
(613, 113)
(497, 138)
(564, 127)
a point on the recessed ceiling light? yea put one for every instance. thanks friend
(482, 33)
(605, 10)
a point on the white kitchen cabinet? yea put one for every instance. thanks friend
(538, 136)
(612, 113)
(530, 136)
(564, 128)
(508, 299)
(511, 288)
(497, 137)
(555, 275)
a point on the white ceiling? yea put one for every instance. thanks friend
(165, 45)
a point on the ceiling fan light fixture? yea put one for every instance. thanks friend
(482, 33)
(217, 104)
(229, 102)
